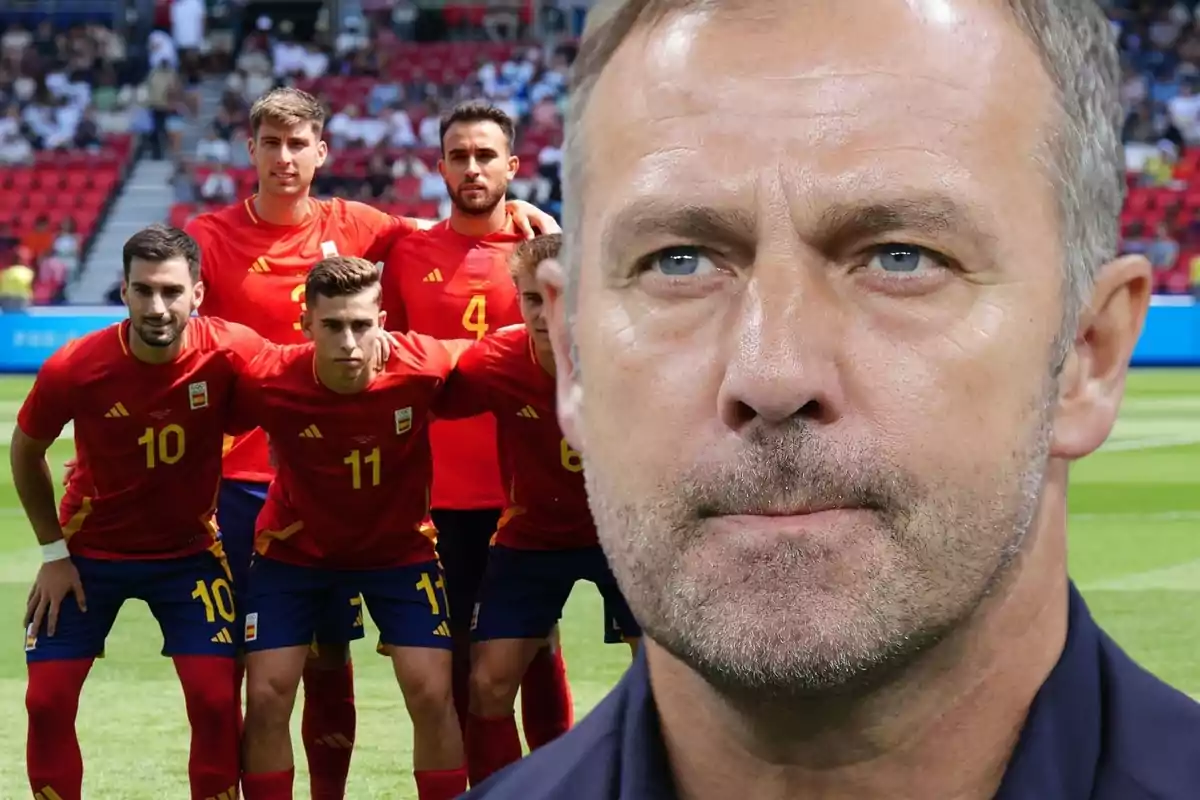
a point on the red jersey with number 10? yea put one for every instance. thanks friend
(353, 470)
(443, 284)
(254, 274)
(147, 438)
(547, 506)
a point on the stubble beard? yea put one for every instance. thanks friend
(782, 621)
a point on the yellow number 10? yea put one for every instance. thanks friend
(356, 461)
(218, 600)
(475, 317)
(167, 447)
(572, 461)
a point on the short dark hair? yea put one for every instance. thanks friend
(532, 252)
(339, 276)
(479, 111)
(158, 243)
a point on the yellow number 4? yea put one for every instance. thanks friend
(167, 447)
(572, 461)
(356, 460)
(475, 317)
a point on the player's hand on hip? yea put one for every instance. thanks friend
(54, 581)
(68, 468)
(527, 217)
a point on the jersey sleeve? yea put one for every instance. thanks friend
(377, 231)
(391, 297)
(245, 411)
(468, 390)
(241, 343)
(49, 405)
(200, 230)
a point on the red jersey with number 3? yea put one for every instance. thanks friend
(147, 437)
(254, 274)
(441, 283)
(547, 506)
(353, 470)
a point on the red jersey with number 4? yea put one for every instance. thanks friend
(547, 506)
(353, 470)
(147, 437)
(443, 284)
(254, 274)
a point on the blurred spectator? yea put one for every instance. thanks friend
(218, 188)
(379, 174)
(65, 248)
(214, 149)
(1163, 251)
(407, 165)
(187, 28)
(347, 128)
(183, 183)
(16, 287)
(163, 95)
(39, 239)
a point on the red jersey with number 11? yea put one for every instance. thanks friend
(443, 284)
(254, 274)
(352, 470)
(147, 437)
(547, 506)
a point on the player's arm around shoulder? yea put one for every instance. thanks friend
(467, 390)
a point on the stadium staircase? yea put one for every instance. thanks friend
(145, 198)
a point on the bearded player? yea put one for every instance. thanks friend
(545, 540)
(452, 281)
(345, 515)
(149, 399)
(256, 255)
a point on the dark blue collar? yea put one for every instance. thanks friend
(1057, 755)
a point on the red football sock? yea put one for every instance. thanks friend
(546, 708)
(327, 729)
(52, 748)
(460, 677)
(210, 693)
(492, 744)
(268, 785)
(438, 784)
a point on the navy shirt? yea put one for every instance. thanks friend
(1100, 728)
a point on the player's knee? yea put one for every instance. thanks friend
(52, 693)
(493, 687)
(214, 699)
(269, 698)
(428, 697)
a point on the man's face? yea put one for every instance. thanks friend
(477, 166)
(286, 158)
(820, 287)
(533, 309)
(161, 297)
(344, 329)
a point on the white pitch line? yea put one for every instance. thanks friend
(1183, 577)
(1147, 443)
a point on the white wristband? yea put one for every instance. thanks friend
(55, 551)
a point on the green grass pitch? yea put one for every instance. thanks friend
(1135, 553)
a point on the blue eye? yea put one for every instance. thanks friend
(902, 258)
(680, 261)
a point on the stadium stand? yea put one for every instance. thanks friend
(75, 116)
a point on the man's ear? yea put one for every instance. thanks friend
(1092, 380)
(570, 392)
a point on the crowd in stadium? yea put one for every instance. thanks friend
(76, 112)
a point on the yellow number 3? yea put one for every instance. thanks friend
(475, 317)
(572, 461)
(298, 297)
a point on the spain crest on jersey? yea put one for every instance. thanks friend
(403, 420)
(328, 249)
(198, 395)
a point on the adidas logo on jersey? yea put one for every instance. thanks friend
(433, 277)
(442, 630)
(311, 432)
(260, 265)
(222, 637)
(116, 411)
(528, 413)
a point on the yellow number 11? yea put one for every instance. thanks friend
(356, 461)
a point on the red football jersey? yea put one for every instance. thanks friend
(441, 283)
(147, 437)
(547, 506)
(254, 274)
(353, 471)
